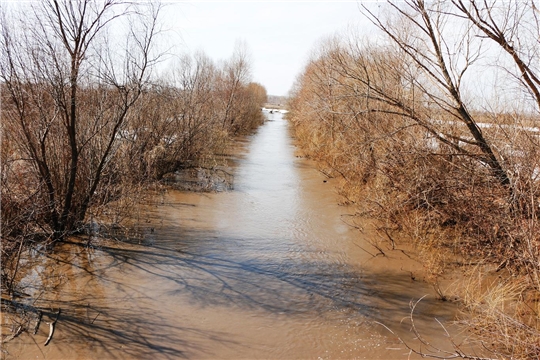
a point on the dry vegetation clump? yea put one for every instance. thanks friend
(502, 310)
(452, 209)
(416, 151)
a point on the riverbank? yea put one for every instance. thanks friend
(462, 190)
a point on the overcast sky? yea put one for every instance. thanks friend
(279, 34)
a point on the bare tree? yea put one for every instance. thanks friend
(68, 94)
(235, 75)
(398, 121)
(439, 60)
(190, 123)
(515, 28)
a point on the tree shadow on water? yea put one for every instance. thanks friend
(119, 299)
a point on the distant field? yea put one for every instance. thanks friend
(275, 106)
(276, 102)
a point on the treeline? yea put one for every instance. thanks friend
(446, 165)
(86, 119)
(192, 116)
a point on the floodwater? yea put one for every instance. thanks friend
(267, 270)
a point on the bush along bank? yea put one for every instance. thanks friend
(433, 163)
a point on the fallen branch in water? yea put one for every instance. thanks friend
(51, 328)
(14, 335)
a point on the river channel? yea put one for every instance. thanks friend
(267, 270)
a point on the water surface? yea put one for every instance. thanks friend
(268, 270)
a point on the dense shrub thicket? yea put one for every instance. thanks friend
(395, 120)
(86, 121)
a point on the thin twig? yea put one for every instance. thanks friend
(433, 350)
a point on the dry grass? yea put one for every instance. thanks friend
(503, 310)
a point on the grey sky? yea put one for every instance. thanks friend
(279, 34)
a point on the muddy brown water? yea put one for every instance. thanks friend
(268, 270)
